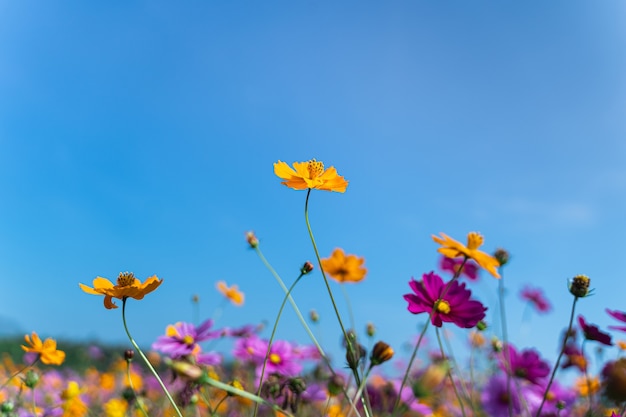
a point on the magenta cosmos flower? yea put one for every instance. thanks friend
(182, 339)
(535, 297)
(451, 305)
(592, 332)
(453, 265)
(619, 315)
(526, 364)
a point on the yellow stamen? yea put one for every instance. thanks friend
(316, 168)
(442, 306)
(274, 358)
(125, 279)
(188, 340)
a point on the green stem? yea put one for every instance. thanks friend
(419, 340)
(449, 372)
(302, 321)
(19, 371)
(558, 359)
(269, 343)
(132, 387)
(349, 344)
(146, 361)
(246, 394)
(505, 340)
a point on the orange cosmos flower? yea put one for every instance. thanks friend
(127, 287)
(47, 349)
(344, 268)
(232, 293)
(450, 248)
(310, 174)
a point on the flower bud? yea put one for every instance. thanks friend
(314, 316)
(381, 352)
(370, 330)
(31, 379)
(306, 268)
(481, 325)
(579, 286)
(354, 354)
(129, 354)
(502, 256)
(614, 380)
(7, 406)
(252, 239)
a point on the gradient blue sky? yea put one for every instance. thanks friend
(141, 135)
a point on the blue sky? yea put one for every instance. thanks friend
(140, 136)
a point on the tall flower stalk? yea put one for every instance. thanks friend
(147, 362)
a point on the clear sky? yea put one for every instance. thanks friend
(140, 136)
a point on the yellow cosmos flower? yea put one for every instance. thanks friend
(450, 248)
(47, 349)
(127, 287)
(311, 174)
(344, 268)
(232, 293)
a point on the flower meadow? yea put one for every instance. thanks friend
(182, 373)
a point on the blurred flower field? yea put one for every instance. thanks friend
(185, 373)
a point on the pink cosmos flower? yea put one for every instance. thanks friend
(535, 297)
(592, 332)
(619, 315)
(470, 269)
(182, 339)
(526, 364)
(451, 305)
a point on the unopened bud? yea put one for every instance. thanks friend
(381, 352)
(314, 316)
(502, 256)
(335, 385)
(481, 325)
(31, 379)
(129, 354)
(579, 286)
(252, 239)
(370, 330)
(306, 268)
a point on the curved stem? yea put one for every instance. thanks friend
(349, 343)
(269, 343)
(19, 371)
(303, 321)
(146, 361)
(558, 359)
(132, 387)
(419, 340)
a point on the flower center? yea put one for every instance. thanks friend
(474, 241)
(442, 306)
(275, 358)
(188, 340)
(316, 168)
(125, 279)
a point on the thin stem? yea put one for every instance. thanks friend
(349, 343)
(19, 371)
(350, 311)
(361, 388)
(269, 343)
(505, 340)
(132, 387)
(558, 359)
(302, 320)
(449, 372)
(419, 340)
(146, 361)
(246, 394)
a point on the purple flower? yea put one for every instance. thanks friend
(182, 339)
(592, 332)
(619, 315)
(451, 305)
(496, 398)
(557, 402)
(282, 359)
(535, 297)
(250, 349)
(574, 357)
(470, 269)
(525, 365)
